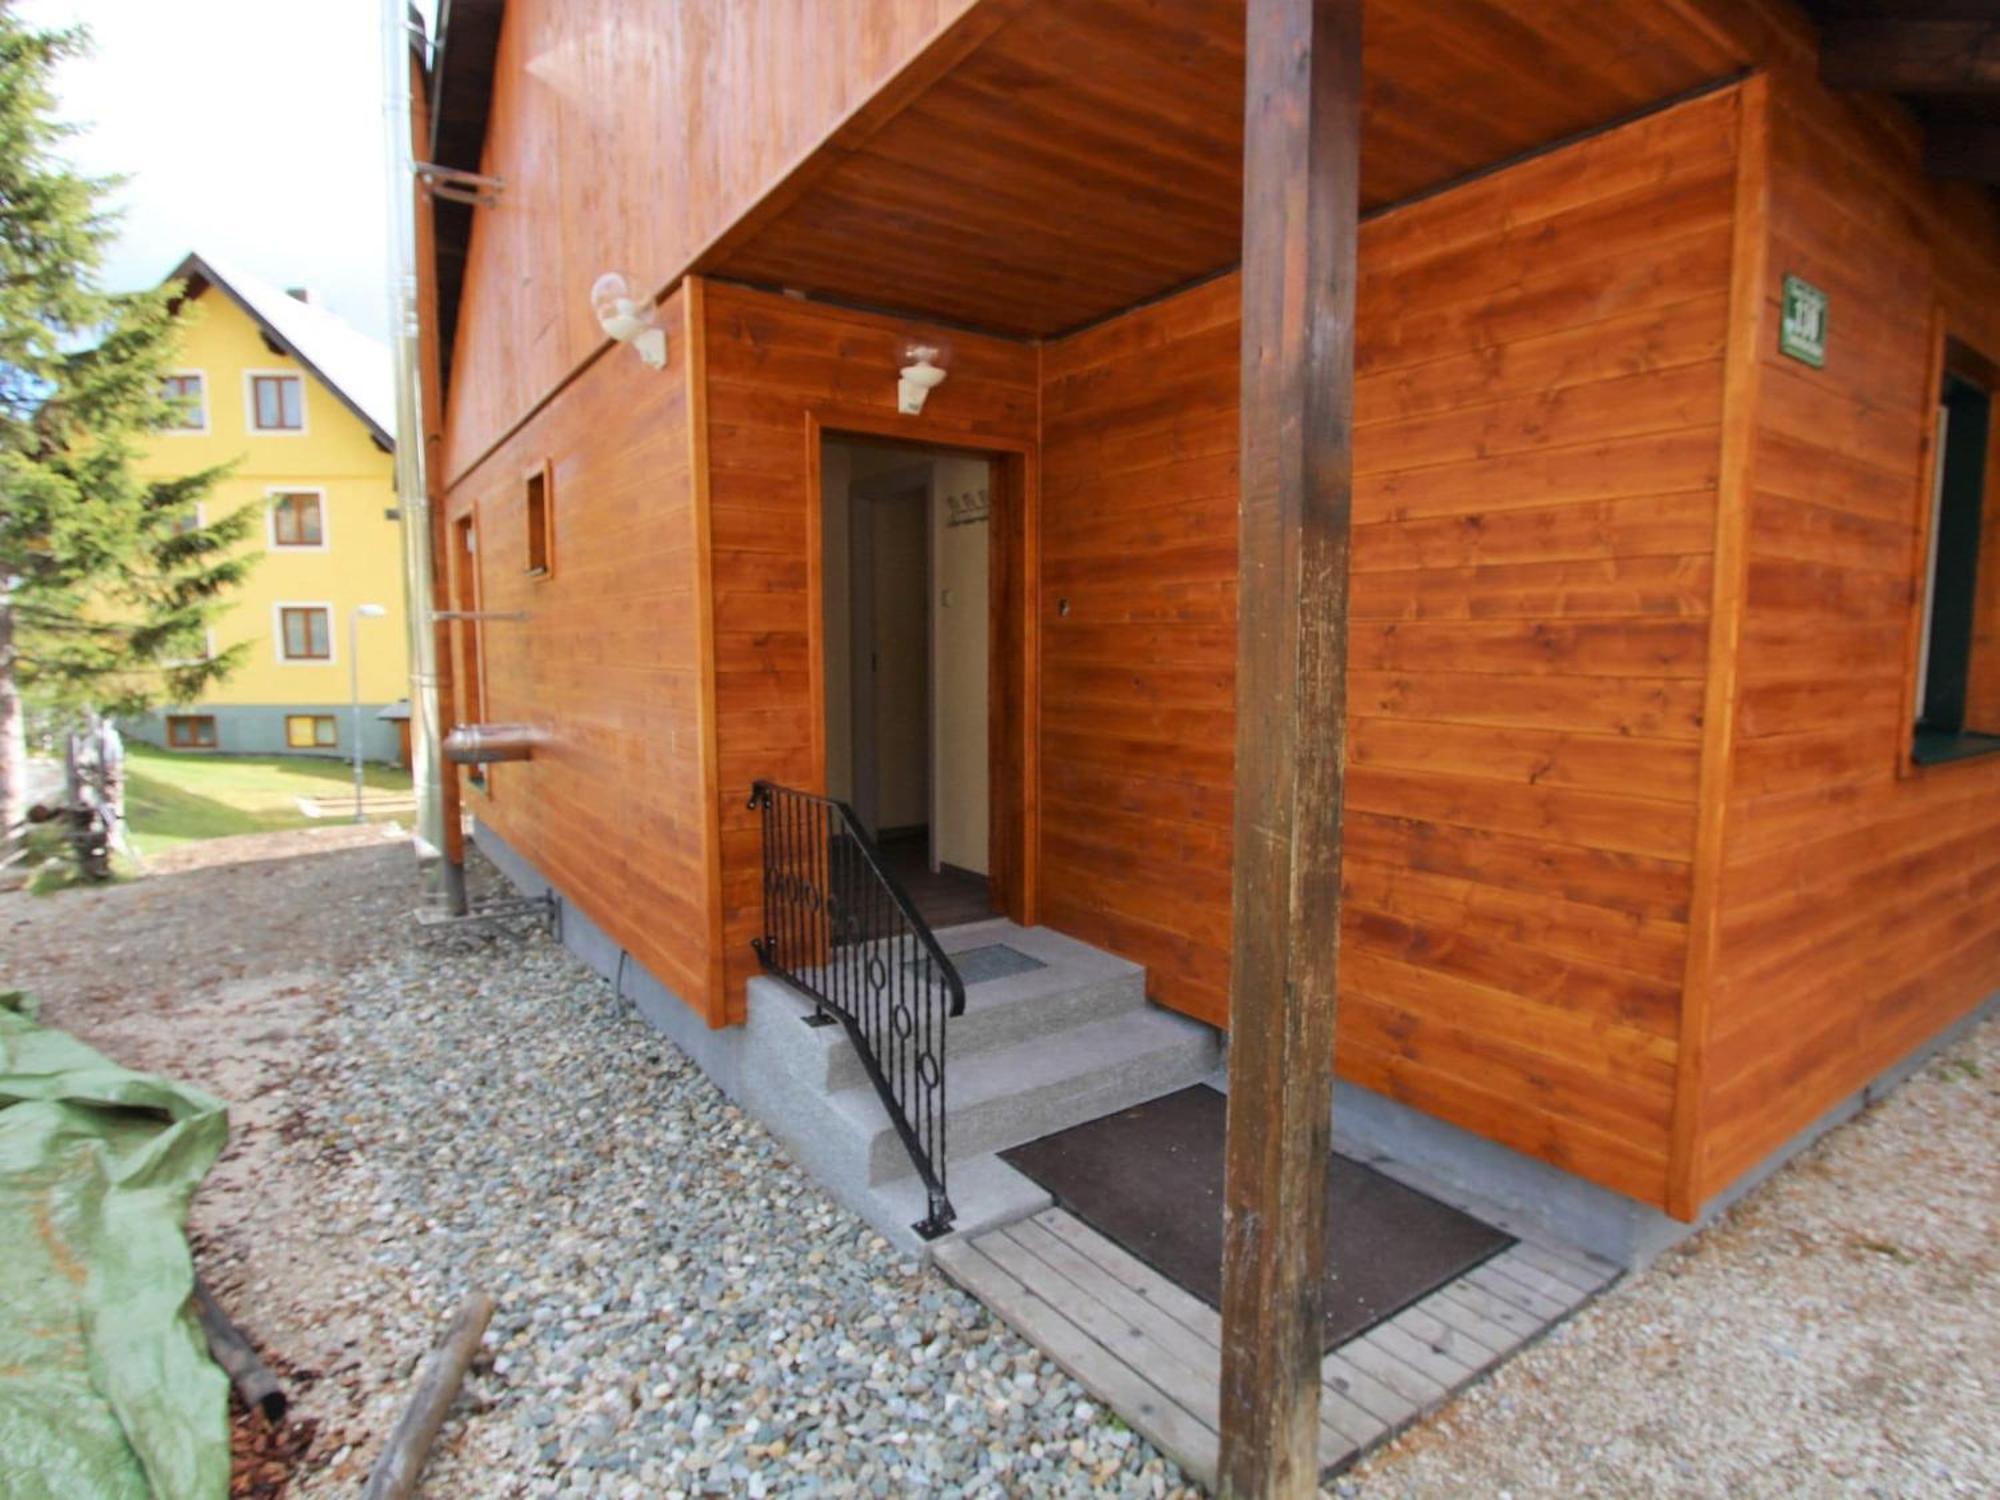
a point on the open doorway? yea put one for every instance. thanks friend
(907, 626)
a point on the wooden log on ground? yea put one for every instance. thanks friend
(396, 1472)
(247, 1371)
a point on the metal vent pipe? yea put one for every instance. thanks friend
(437, 811)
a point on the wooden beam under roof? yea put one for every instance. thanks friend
(1084, 159)
(1905, 55)
(1301, 224)
(460, 99)
(1965, 150)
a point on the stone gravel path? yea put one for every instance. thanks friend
(682, 1312)
(1837, 1333)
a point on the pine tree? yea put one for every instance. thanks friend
(108, 582)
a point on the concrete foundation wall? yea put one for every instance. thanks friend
(1519, 1193)
(259, 729)
(719, 1053)
(1514, 1192)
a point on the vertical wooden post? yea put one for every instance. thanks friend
(1301, 169)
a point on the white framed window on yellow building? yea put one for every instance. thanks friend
(276, 401)
(311, 732)
(191, 731)
(207, 651)
(297, 520)
(304, 633)
(187, 391)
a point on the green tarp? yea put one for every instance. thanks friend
(106, 1386)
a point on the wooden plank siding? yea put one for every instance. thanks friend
(607, 664)
(629, 136)
(774, 366)
(1038, 163)
(1536, 450)
(1855, 914)
(1544, 357)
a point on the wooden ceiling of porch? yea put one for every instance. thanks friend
(1086, 156)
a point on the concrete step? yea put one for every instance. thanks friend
(823, 1139)
(1034, 1053)
(1011, 1095)
(1077, 985)
(1003, 1098)
(985, 1193)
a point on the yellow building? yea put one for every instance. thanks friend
(304, 406)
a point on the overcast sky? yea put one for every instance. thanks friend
(250, 127)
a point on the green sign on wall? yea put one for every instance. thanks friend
(1802, 329)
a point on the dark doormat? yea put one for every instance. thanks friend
(1150, 1179)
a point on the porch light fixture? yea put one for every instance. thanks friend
(627, 319)
(920, 377)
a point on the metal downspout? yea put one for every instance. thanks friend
(438, 831)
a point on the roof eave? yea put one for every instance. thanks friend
(194, 268)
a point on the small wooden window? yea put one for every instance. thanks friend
(539, 506)
(305, 633)
(277, 403)
(296, 520)
(191, 731)
(189, 399)
(311, 732)
(1956, 669)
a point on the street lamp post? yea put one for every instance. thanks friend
(361, 612)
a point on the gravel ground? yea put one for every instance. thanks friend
(681, 1309)
(682, 1312)
(1837, 1333)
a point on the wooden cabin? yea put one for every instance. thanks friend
(1674, 640)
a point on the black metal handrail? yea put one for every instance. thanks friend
(838, 927)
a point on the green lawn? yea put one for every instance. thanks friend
(174, 798)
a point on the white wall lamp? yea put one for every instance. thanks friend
(628, 319)
(920, 377)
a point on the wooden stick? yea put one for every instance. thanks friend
(402, 1462)
(1301, 195)
(252, 1378)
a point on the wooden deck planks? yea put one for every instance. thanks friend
(1454, 1318)
(1173, 1355)
(1170, 1427)
(1152, 1351)
(1480, 1303)
(1439, 1351)
(1178, 1366)
(1390, 1410)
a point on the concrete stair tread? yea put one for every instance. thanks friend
(1079, 985)
(1074, 1053)
(1067, 963)
(1034, 1053)
(1020, 1093)
(985, 1193)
